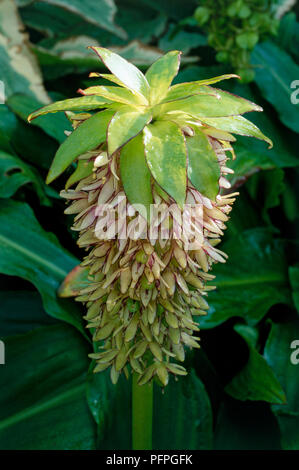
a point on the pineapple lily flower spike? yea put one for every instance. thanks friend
(147, 143)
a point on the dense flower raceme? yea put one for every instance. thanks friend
(151, 199)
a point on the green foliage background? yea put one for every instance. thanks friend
(242, 389)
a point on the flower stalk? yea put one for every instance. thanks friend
(142, 414)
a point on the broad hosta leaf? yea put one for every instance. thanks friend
(110, 406)
(254, 260)
(76, 280)
(136, 176)
(100, 13)
(282, 355)
(165, 152)
(238, 125)
(211, 103)
(20, 72)
(14, 173)
(45, 401)
(84, 169)
(182, 90)
(20, 312)
(275, 81)
(125, 124)
(127, 73)
(87, 136)
(203, 166)
(84, 103)
(35, 255)
(112, 93)
(256, 381)
(22, 105)
(161, 73)
(185, 402)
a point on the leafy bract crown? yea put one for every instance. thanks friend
(163, 133)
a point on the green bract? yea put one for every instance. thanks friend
(163, 132)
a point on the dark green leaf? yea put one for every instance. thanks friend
(76, 280)
(20, 312)
(139, 54)
(84, 169)
(256, 381)
(45, 400)
(185, 407)
(101, 14)
(20, 71)
(16, 137)
(136, 176)
(89, 135)
(15, 173)
(289, 34)
(294, 279)
(27, 251)
(176, 38)
(141, 22)
(215, 103)
(203, 166)
(110, 406)
(127, 73)
(282, 353)
(254, 260)
(165, 152)
(266, 188)
(275, 81)
(247, 40)
(282, 356)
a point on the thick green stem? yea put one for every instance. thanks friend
(142, 415)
